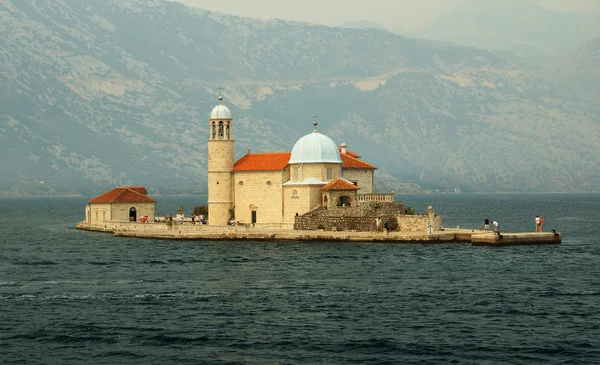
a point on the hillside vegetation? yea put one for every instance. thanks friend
(104, 93)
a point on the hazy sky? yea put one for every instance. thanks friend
(403, 14)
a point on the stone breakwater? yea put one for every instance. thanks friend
(232, 233)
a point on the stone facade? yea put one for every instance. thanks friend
(98, 213)
(364, 179)
(260, 192)
(300, 199)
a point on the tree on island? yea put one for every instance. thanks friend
(200, 210)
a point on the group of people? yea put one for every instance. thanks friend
(378, 225)
(486, 225)
(539, 224)
(198, 218)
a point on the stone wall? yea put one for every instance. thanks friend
(420, 223)
(328, 223)
(353, 218)
(366, 209)
(363, 179)
(360, 217)
(412, 223)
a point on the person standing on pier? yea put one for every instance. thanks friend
(496, 228)
(486, 224)
(541, 224)
(537, 224)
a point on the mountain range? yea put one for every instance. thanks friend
(515, 25)
(98, 94)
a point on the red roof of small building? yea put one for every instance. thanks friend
(140, 189)
(350, 162)
(126, 194)
(273, 161)
(340, 184)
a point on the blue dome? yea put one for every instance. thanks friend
(315, 148)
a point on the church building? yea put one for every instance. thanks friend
(272, 189)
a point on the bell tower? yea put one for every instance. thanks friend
(220, 164)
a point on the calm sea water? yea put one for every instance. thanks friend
(74, 297)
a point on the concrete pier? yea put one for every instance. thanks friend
(242, 233)
(512, 239)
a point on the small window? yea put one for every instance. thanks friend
(241, 183)
(294, 193)
(269, 183)
(329, 173)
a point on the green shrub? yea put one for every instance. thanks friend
(393, 222)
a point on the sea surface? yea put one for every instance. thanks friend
(76, 297)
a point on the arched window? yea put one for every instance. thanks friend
(221, 130)
(228, 131)
(214, 130)
(325, 201)
(344, 201)
(295, 193)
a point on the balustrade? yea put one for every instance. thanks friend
(377, 197)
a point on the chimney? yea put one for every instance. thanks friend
(344, 148)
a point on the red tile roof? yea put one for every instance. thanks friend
(127, 194)
(349, 153)
(350, 162)
(274, 161)
(139, 189)
(340, 184)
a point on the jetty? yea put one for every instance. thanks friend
(187, 231)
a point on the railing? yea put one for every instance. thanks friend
(381, 197)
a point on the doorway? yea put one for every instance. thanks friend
(132, 214)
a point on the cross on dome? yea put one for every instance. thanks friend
(220, 89)
(315, 117)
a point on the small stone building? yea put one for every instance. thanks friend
(342, 208)
(127, 203)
